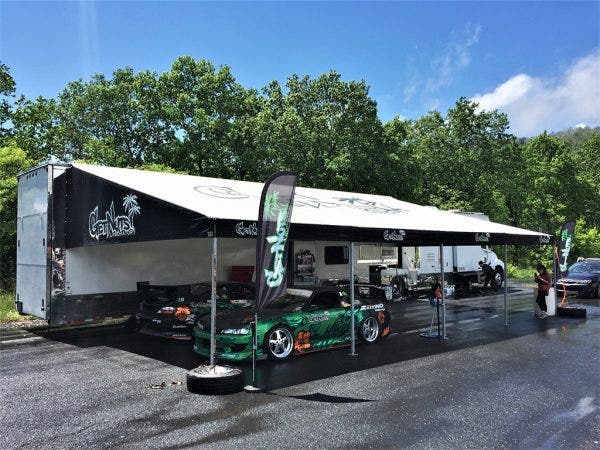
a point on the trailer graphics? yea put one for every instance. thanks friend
(112, 225)
(394, 235)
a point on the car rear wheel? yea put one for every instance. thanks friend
(279, 343)
(369, 330)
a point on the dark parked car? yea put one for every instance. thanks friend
(362, 291)
(582, 279)
(172, 311)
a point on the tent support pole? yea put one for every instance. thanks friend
(505, 285)
(443, 291)
(352, 330)
(213, 298)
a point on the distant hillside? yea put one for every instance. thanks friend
(575, 137)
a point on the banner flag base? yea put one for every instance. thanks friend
(252, 389)
(571, 311)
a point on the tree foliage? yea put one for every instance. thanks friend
(7, 90)
(195, 118)
(13, 160)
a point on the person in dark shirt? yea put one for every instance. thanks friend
(544, 281)
(489, 275)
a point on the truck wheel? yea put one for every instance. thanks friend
(398, 287)
(498, 277)
(215, 380)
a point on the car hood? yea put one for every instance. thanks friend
(240, 317)
(581, 276)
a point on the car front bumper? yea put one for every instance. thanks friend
(230, 347)
(167, 327)
(577, 290)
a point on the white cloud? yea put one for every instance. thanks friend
(536, 104)
(88, 34)
(456, 57)
(410, 90)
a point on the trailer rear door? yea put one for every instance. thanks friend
(33, 248)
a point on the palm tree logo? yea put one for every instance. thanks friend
(271, 204)
(131, 206)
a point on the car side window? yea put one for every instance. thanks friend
(327, 300)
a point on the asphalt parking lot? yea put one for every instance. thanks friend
(535, 383)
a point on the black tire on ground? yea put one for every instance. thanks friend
(213, 381)
(279, 343)
(571, 311)
(369, 330)
(398, 287)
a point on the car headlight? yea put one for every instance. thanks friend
(235, 331)
(191, 318)
(583, 281)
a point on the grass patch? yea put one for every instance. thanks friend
(522, 275)
(8, 312)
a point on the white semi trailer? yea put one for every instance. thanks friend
(418, 266)
(379, 263)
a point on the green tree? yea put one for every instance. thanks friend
(201, 106)
(36, 128)
(586, 242)
(13, 160)
(326, 129)
(7, 90)
(112, 120)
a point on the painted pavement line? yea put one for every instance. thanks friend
(448, 324)
(22, 340)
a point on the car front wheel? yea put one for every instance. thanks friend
(279, 343)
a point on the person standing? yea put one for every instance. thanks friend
(490, 276)
(544, 281)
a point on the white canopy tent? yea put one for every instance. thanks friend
(364, 217)
(174, 206)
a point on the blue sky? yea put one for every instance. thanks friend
(537, 61)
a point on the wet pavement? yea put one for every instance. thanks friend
(535, 383)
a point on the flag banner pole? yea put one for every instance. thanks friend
(443, 292)
(352, 325)
(213, 302)
(254, 347)
(506, 285)
(565, 237)
(274, 215)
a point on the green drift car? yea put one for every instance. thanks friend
(304, 320)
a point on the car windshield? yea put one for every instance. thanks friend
(292, 297)
(585, 267)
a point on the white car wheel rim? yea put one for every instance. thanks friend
(280, 343)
